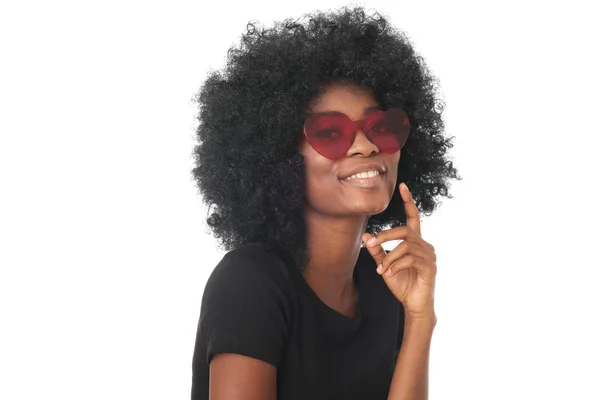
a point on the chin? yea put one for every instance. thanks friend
(369, 207)
(375, 211)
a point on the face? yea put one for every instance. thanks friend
(332, 187)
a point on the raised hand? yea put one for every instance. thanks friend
(409, 270)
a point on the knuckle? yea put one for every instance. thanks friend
(390, 271)
(404, 246)
(384, 262)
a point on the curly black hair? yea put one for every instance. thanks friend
(247, 164)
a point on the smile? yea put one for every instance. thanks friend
(369, 179)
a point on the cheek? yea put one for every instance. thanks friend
(318, 175)
(392, 161)
(321, 183)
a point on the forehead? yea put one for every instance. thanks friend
(353, 101)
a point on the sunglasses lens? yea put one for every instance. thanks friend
(388, 130)
(329, 134)
(332, 135)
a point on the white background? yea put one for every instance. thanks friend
(105, 253)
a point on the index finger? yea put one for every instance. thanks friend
(412, 213)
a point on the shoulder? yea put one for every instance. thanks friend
(253, 259)
(251, 267)
(246, 306)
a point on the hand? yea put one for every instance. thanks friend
(409, 270)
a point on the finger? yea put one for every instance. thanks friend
(402, 250)
(426, 269)
(376, 250)
(397, 233)
(412, 213)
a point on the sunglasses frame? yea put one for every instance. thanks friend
(360, 124)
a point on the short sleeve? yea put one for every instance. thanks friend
(245, 306)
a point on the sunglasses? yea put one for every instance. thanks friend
(331, 134)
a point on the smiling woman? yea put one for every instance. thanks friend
(331, 186)
(308, 142)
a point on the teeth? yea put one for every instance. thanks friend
(363, 175)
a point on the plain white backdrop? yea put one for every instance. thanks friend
(104, 250)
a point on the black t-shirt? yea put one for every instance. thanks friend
(257, 305)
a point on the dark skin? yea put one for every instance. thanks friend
(336, 215)
(336, 211)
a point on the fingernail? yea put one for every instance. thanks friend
(388, 272)
(379, 268)
(371, 241)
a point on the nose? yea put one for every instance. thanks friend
(362, 145)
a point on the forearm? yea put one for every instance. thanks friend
(411, 375)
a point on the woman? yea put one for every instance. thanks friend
(307, 142)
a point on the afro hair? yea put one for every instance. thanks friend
(247, 165)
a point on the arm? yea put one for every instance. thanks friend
(237, 377)
(244, 323)
(409, 270)
(411, 375)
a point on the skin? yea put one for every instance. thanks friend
(336, 215)
(409, 271)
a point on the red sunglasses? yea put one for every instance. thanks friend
(331, 134)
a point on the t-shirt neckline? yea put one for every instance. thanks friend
(335, 317)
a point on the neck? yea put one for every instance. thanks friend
(333, 245)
